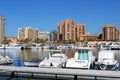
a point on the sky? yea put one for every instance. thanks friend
(46, 14)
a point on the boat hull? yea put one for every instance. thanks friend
(108, 67)
(31, 64)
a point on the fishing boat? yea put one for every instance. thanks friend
(32, 63)
(106, 60)
(83, 59)
(56, 59)
(5, 60)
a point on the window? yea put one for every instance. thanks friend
(82, 54)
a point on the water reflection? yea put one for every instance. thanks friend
(25, 54)
(11, 53)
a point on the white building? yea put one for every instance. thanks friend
(44, 36)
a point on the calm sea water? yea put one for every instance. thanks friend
(36, 53)
(32, 54)
(41, 54)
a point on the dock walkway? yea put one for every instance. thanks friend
(13, 71)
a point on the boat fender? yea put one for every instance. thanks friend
(103, 66)
(64, 66)
(115, 67)
(51, 64)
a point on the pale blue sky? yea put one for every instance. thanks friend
(46, 14)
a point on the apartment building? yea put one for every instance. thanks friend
(110, 33)
(68, 30)
(79, 30)
(2, 26)
(53, 36)
(31, 34)
(119, 36)
(44, 36)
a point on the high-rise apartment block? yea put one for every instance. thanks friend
(68, 30)
(53, 36)
(110, 33)
(79, 31)
(28, 33)
(2, 29)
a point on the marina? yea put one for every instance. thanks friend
(19, 70)
(59, 40)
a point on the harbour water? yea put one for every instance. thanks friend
(36, 53)
(31, 54)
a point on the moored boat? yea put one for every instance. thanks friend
(56, 59)
(114, 47)
(12, 46)
(32, 63)
(83, 59)
(5, 60)
(106, 60)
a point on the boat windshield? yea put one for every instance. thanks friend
(82, 54)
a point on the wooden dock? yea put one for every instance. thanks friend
(13, 71)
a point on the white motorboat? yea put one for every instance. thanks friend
(114, 47)
(5, 60)
(56, 59)
(83, 59)
(32, 63)
(106, 60)
(14, 46)
(11, 46)
(2, 47)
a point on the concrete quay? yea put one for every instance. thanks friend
(57, 73)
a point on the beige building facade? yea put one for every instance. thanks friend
(28, 33)
(79, 30)
(110, 33)
(2, 25)
(69, 31)
(119, 36)
(13, 39)
(89, 37)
